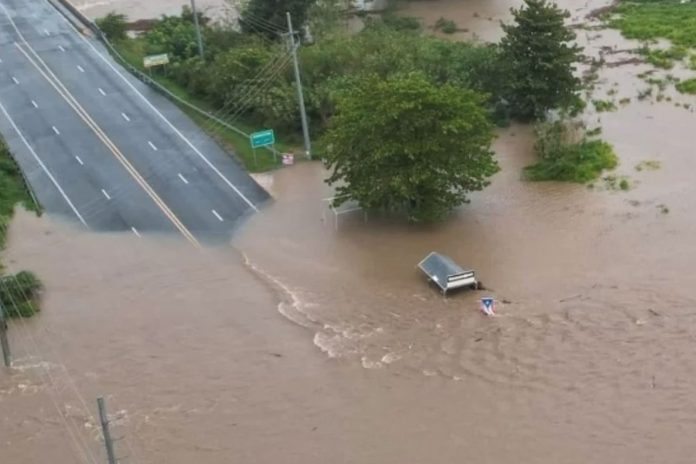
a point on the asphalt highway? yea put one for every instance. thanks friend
(99, 146)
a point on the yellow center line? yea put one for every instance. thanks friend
(84, 115)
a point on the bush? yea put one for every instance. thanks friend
(19, 293)
(113, 25)
(604, 105)
(401, 23)
(446, 25)
(563, 159)
(687, 86)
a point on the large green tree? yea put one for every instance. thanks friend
(405, 144)
(540, 55)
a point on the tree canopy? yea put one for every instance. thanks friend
(540, 56)
(267, 17)
(406, 144)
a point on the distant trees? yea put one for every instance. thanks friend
(265, 17)
(540, 57)
(113, 25)
(175, 35)
(406, 144)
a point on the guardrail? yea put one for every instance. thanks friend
(145, 78)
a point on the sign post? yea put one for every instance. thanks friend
(263, 138)
(155, 60)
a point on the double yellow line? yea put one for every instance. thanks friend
(48, 74)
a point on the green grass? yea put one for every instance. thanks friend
(653, 19)
(663, 58)
(581, 162)
(13, 191)
(687, 86)
(604, 105)
(133, 51)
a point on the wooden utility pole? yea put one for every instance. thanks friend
(3, 338)
(298, 82)
(198, 29)
(108, 442)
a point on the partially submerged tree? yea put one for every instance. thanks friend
(540, 56)
(405, 144)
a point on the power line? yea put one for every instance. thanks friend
(71, 382)
(82, 448)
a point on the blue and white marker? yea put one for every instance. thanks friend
(488, 306)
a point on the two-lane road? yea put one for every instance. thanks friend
(98, 144)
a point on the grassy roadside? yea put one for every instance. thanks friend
(133, 51)
(16, 292)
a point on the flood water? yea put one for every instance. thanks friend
(313, 340)
(139, 9)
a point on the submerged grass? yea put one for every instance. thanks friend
(653, 19)
(604, 105)
(687, 86)
(581, 162)
(663, 58)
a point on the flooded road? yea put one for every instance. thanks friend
(308, 343)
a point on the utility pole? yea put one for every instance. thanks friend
(105, 430)
(198, 28)
(3, 338)
(298, 82)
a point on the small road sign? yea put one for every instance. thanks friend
(488, 306)
(155, 60)
(262, 139)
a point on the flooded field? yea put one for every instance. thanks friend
(138, 9)
(310, 341)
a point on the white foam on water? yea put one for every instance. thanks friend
(291, 305)
(367, 364)
(390, 358)
(329, 344)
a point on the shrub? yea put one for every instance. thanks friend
(564, 159)
(604, 105)
(687, 86)
(18, 294)
(401, 23)
(446, 25)
(113, 25)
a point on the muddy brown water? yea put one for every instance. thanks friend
(138, 9)
(303, 342)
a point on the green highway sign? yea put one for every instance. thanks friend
(262, 139)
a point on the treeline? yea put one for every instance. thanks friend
(238, 63)
(403, 120)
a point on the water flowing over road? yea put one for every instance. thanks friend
(306, 343)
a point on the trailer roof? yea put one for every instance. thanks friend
(439, 268)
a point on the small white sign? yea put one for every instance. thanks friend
(288, 159)
(156, 60)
